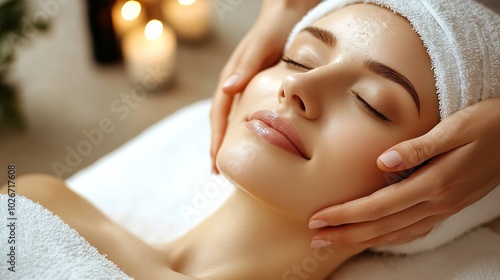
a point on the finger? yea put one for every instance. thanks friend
(417, 230)
(449, 134)
(360, 232)
(230, 68)
(404, 235)
(250, 63)
(386, 201)
(218, 116)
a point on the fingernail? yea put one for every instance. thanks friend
(231, 81)
(319, 243)
(391, 158)
(317, 224)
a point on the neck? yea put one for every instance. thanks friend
(247, 238)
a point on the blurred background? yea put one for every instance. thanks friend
(88, 75)
(66, 88)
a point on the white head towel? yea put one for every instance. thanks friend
(462, 38)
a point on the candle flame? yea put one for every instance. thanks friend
(153, 30)
(131, 10)
(186, 2)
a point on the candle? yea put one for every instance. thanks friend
(191, 19)
(150, 54)
(126, 15)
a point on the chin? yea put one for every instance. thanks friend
(259, 170)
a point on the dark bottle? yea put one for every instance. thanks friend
(105, 46)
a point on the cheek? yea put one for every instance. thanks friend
(265, 84)
(346, 160)
(347, 167)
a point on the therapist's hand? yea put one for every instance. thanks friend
(465, 166)
(261, 47)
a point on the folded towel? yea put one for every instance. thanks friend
(46, 248)
(463, 41)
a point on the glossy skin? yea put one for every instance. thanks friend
(464, 143)
(403, 211)
(317, 90)
(260, 48)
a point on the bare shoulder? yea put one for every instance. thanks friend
(41, 188)
(130, 254)
(53, 194)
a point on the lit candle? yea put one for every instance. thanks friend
(191, 19)
(150, 54)
(126, 15)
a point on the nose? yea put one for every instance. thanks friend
(297, 92)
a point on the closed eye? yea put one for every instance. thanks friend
(294, 63)
(371, 109)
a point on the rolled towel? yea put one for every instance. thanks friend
(462, 38)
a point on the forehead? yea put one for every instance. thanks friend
(361, 25)
(364, 23)
(368, 31)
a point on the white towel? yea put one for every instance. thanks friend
(462, 39)
(473, 256)
(46, 248)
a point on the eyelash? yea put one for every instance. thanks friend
(292, 62)
(365, 104)
(371, 109)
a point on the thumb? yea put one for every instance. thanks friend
(444, 137)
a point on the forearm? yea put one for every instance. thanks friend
(298, 5)
(295, 9)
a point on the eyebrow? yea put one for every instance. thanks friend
(376, 67)
(323, 35)
(394, 76)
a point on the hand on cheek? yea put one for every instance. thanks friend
(465, 143)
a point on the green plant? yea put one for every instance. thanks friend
(13, 21)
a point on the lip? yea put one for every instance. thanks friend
(277, 131)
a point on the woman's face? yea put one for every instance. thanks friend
(307, 132)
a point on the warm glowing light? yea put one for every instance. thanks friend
(153, 29)
(131, 10)
(186, 2)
